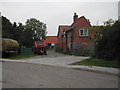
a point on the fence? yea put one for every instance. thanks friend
(26, 51)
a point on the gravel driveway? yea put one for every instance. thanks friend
(63, 60)
(54, 59)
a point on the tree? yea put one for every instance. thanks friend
(110, 22)
(7, 28)
(17, 31)
(33, 30)
(37, 28)
(95, 32)
(20, 29)
(25, 34)
(0, 34)
(108, 46)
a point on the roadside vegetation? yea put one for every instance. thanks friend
(33, 30)
(108, 47)
(98, 62)
(25, 35)
(21, 56)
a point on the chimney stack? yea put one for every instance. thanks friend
(75, 17)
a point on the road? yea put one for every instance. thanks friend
(26, 75)
(49, 71)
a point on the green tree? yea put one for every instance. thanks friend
(96, 32)
(0, 25)
(33, 30)
(110, 22)
(7, 28)
(20, 29)
(25, 34)
(17, 32)
(37, 28)
(108, 46)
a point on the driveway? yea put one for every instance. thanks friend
(63, 60)
(53, 58)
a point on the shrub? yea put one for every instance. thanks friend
(82, 52)
(57, 49)
(108, 46)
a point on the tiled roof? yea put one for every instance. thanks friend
(75, 23)
(51, 39)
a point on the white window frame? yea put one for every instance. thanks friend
(85, 32)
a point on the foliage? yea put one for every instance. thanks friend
(98, 62)
(18, 30)
(110, 22)
(37, 28)
(33, 30)
(22, 56)
(77, 52)
(57, 49)
(108, 47)
(96, 32)
(82, 52)
(24, 34)
(7, 29)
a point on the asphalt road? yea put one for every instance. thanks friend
(24, 75)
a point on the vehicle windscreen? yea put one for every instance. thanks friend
(39, 43)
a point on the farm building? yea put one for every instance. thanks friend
(51, 41)
(76, 35)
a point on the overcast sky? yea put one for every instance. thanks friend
(54, 14)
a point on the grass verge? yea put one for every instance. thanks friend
(98, 62)
(22, 56)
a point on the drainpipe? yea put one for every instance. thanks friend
(66, 40)
(71, 42)
(62, 42)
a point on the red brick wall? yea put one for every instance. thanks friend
(77, 39)
(82, 23)
(62, 40)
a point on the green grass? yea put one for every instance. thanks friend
(22, 56)
(98, 62)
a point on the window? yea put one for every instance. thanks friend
(39, 43)
(83, 32)
(64, 33)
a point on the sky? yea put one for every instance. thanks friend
(58, 13)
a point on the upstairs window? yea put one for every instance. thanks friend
(83, 32)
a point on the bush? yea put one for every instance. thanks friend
(57, 49)
(82, 52)
(108, 47)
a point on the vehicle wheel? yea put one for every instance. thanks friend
(35, 52)
(45, 52)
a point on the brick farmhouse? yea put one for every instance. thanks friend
(76, 35)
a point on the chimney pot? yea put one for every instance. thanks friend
(75, 17)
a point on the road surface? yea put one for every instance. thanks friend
(26, 75)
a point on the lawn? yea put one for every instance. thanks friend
(98, 62)
(22, 56)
